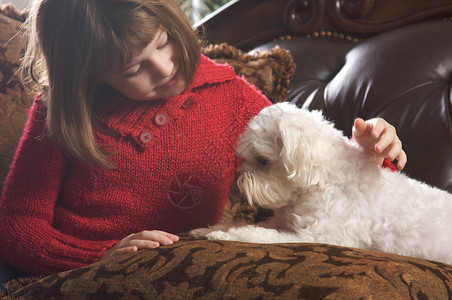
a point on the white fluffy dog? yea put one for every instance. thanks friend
(322, 188)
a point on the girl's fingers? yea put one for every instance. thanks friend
(359, 128)
(143, 244)
(173, 237)
(401, 160)
(150, 239)
(162, 237)
(377, 128)
(386, 137)
(395, 150)
(141, 240)
(126, 250)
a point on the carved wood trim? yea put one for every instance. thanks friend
(360, 17)
(246, 23)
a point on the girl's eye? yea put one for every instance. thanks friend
(167, 41)
(136, 73)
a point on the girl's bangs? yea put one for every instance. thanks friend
(125, 41)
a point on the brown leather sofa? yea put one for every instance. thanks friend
(353, 58)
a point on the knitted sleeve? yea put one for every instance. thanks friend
(27, 238)
(252, 102)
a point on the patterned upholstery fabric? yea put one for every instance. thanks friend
(201, 269)
(270, 70)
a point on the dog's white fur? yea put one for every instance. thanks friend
(324, 189)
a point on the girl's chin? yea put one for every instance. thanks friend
(163, 92)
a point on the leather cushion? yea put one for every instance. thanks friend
(403, 76)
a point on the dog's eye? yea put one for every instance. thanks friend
(261, 160)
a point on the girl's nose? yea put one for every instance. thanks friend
(162, 67)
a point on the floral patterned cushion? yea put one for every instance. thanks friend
(270, 71)
(202, 269)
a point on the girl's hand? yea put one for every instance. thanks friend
(142, 240)
(379, 138)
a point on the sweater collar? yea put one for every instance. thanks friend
(209, 72)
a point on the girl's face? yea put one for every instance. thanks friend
(153, 74)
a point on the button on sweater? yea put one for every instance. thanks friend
(174, 164)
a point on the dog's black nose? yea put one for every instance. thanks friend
(262, 160)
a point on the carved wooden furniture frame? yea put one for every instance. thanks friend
(251, 22)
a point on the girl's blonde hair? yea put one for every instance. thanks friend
(72, 42)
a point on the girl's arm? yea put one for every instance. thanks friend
(27, 238)
(252, 101)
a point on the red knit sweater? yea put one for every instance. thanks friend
(174, 167)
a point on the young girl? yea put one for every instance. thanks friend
(131, 137)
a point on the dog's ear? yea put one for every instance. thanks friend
(304, 152)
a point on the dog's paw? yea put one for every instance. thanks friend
(220, 231)
(201, 232)
(213, 234)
